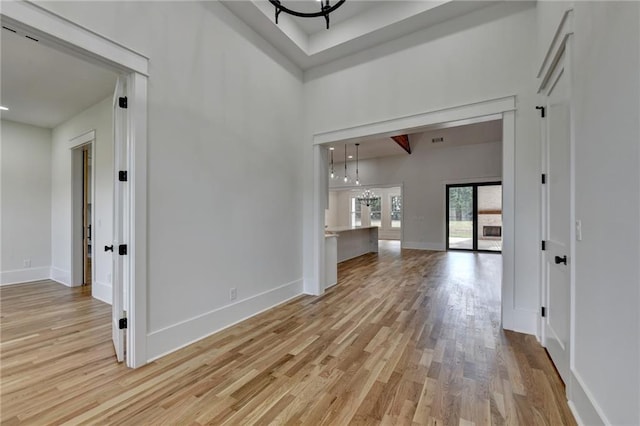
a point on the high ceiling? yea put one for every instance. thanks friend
(43, 86)
(356, 25)
(452, 134)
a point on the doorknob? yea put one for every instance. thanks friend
(562, 259)
(110, 248)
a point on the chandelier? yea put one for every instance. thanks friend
(325, 10)
(367, 197)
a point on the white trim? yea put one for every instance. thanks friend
(177, 336)
(19, 276)
(583, 404)
(84, 138)
(412, 123)
(101, 291)
(63, 34)
(554, 53)
(61, 276)
(418, 245)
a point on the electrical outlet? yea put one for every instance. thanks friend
(26, 263)
(233, 293)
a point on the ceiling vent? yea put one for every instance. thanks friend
(437, 140)
(20, 34)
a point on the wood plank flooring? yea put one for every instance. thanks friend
(406, 337)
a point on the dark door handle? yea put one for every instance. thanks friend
(108, 248)
(560, 260)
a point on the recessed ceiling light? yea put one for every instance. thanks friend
(4, 108)
(351, 156)
(331, 148)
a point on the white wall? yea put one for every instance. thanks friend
(606, 95)
(98, 117)
(224, 142)
(25, 176)
(483, 55)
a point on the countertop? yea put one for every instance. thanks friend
(339, 229)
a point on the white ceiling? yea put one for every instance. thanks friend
(454, 134)
(44, 87)
(356, 25)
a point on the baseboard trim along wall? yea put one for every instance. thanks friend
(102, 292)
(423, 246)
(60, 276)
(582, 404)
(19, 276)
(520, 320)
(172, 338)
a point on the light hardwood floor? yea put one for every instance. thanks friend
(409, 337)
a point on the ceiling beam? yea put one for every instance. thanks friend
(403, 141)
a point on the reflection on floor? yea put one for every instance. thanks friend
(467, 243)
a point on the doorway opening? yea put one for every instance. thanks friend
(82, 217)
(474, 217)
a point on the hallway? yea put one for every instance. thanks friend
(405, 336)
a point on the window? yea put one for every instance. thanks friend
(376, 212)
(356, 213)
(396, 211)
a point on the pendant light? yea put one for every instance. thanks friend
(357, 176)
(346, 178)
(333, 175)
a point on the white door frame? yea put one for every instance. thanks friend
(62, 34)
(500, 108)
(85, 139)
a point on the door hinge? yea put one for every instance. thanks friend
(541, 108)
(544, 178)
(544, 245)
(123, 176)
(543, 311)
(122, 323)
(122, 249)
(122, 102)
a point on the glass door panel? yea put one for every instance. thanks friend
(489, 231)
(460, 217)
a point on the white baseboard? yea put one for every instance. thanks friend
(18, 276)
(418, 245)
(583, 405)
(172, 338)
(61, 276)
(102, 291)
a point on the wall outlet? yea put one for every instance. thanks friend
(233, 293)
(26, 263)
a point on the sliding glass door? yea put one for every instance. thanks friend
(474, 217)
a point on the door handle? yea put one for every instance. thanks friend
(110, 248)
(560, 260)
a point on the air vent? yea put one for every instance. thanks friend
(437, 140)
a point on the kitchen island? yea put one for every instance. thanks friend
(354, 241)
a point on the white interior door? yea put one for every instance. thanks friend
(558, 220)
(120, 223)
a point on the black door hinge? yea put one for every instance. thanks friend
(122, 102)
(122, 176)
(543, 311)
(122, 323)
(544, 178)
(122, 249)
(544, 245)
(541, 108)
